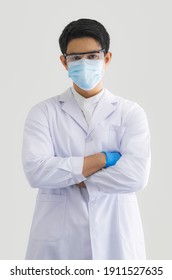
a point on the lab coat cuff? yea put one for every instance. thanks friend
(77, 167)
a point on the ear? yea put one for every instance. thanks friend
(63, 61)
(107, 58)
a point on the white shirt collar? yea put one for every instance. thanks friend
(87, 105)
(86, 101)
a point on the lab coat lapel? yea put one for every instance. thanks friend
(106, 106)
(70, 106)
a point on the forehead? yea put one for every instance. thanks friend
(85, 44)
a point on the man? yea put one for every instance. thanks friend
(88, 152)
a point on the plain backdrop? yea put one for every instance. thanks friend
(30, 71)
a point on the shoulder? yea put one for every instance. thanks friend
(47, 106)
(130, 110)
(132, 113)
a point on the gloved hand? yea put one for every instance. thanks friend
(111, 158)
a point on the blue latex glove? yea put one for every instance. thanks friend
(111, 158)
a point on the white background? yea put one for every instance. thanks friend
(30, 71)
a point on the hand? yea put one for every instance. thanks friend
(111, 158)
(81, 185)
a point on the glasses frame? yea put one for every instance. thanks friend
(98, 51)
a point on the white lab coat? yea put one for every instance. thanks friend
(101, 221)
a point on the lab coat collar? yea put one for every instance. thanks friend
(106, 106)
(70, 106)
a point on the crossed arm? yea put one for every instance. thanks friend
(43, 170)
(96, 162)
(91, 165)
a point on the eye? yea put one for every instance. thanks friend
(93, 56)
(76, 57)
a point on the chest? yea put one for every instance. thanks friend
(71, 139)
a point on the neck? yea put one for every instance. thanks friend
(89, 93)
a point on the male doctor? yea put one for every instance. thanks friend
(88, 152)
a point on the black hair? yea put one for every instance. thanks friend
(84, 28)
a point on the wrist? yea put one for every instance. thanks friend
(111, 158)
(102, 159)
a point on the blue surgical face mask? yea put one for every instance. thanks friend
(86, 73)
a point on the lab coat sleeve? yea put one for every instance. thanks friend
(42, 168)
(131, 172)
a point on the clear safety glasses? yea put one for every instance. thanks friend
(93, 55)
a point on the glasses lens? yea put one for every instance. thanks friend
(97, 55)
(74, 57)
